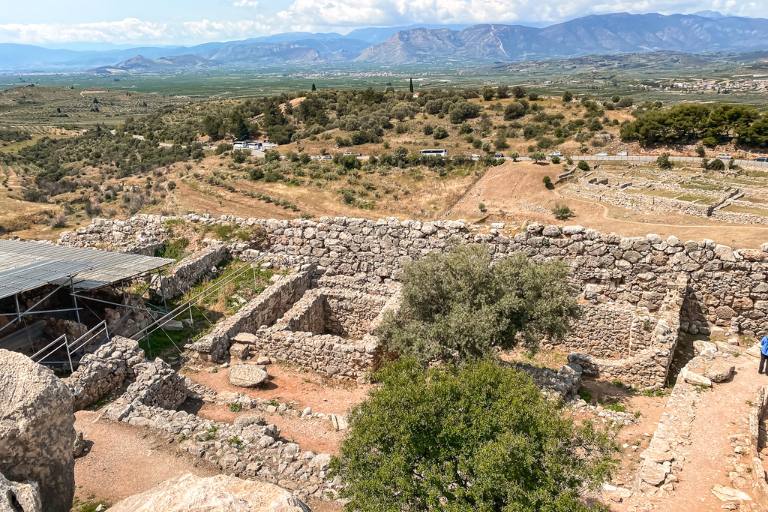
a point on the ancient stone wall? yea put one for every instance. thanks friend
(646, 368)
(264, 309)
(104, 371)
(308, 314)
(326, 354)
(758, 413)
(329, 330)
(730, 287)
(189, 271)
(157, 385)
(609, 331)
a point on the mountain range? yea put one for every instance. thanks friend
(431, 45)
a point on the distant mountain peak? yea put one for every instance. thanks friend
(714, 15)
(436, 45)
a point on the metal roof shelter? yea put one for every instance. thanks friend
(26, 265)
(20, 279)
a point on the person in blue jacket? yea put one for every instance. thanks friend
(763, 356)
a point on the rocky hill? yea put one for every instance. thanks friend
(603, 34)
(434, 45)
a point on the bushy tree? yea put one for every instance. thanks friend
(515, 110)
(664, 162)
(480, 437)
(457, 305)
(462, 111)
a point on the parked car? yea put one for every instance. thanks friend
(602, 154)
(498, 155)
(622, 153)
(761, 159)
(555, 153)
(724, 156)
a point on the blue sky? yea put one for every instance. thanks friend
(65, 22)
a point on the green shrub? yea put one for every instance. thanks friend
(458, 306)
(562, 212)
(582, 165)
(548, 183)
(716, 165)
(479, 437)
(440, 133)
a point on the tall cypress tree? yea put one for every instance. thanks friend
(411, 86)
(314, 88)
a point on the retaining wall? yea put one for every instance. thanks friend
(729, 287)
(189, 271)
(264, 309)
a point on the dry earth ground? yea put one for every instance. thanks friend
(514, 192)
(125, 460)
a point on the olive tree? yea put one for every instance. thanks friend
(460, 305)
(477, 437)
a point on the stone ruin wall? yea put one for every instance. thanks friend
(646, 368)
(313, 334)
(624, 281)
(263, 309)
(609, 331)
(181, 277)
(104, 371)
(729, 287)
(758, 414)
(153, 393)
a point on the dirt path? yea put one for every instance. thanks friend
(125, 460)
(514, 192)
(721, 414)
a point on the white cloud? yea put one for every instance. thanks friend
(340, 13)
(343, 15)
(123, 31)
(132, 31)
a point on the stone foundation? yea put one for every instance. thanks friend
(264, 309)
(645, 364)
(189, 271)
(104, 371)
(245, 449)
(329, 330)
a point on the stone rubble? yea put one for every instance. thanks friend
(104, 371)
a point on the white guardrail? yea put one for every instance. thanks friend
(72, 350)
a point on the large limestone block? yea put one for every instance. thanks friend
(247, 375)
(189, 493)
(36, 430)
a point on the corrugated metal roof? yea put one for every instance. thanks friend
(23, 263)
(34, 275)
